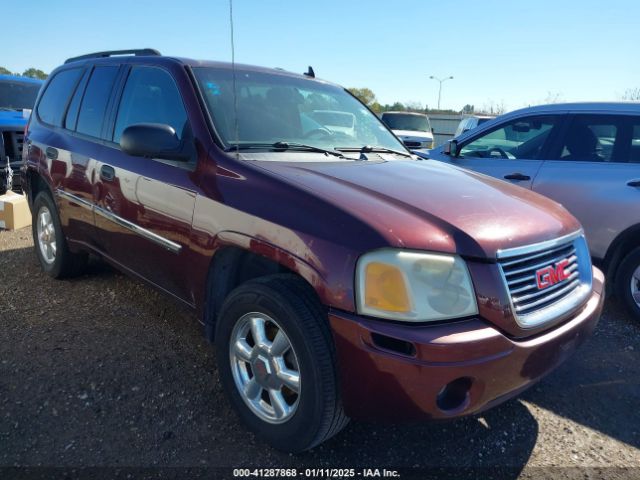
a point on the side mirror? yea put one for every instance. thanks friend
(451, 148)
(152, 140)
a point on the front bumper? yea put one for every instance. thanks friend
(394, 372)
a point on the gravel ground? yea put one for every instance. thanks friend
(102, 371)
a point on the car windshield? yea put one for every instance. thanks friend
(282, 109)
(405, 121)
(16, 95)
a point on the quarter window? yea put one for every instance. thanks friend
(523, 138)
(150, 96)
(74, 106)
(54, 100)
(95, 100)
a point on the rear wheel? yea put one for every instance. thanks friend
(628, 283)
(277, 362)
(51, 246)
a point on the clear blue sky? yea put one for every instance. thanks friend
(498, 51)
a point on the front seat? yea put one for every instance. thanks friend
(582, 144)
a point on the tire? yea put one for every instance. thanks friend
(287, 304)
(53, 253)
(627, 283)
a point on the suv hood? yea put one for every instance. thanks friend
(12, 119)
(429, 205)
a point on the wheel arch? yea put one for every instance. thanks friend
(35, 184)
(625, 242)
(238, 258)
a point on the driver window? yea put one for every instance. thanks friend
(151, 96)
(523, 138)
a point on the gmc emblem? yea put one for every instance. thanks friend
(547, 276)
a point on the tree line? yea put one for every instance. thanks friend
(366, 96)
(29, 72)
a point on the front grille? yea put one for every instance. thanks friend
(410, 144)
(19, 139)
(12, 142)
(539, 289)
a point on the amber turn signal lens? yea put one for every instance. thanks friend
(385, 288)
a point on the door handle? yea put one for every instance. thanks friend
(634, 183)
(107, 173)
(52, 153)
(517, 176)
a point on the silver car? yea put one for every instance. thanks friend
(585, 156)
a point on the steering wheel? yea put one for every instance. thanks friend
(325, 132)
(502, 153)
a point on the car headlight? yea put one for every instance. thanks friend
(414, 286)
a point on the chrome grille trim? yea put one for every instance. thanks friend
(531, 257)
(533, 285)
(531, 306)
(537, 292)
(542, 264)
(556, 294)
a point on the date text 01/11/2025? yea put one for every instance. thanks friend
(315, 473)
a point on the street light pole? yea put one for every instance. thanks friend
(440, 81)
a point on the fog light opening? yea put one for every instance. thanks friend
(454, 395)
(393, 345)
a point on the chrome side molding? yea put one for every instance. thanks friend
(137, 229)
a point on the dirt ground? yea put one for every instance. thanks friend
(103, 371)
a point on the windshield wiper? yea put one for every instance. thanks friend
(370, 149)
(282, 146)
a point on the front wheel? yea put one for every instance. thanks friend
(627, 283)
(277, 362)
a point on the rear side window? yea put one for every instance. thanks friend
(54, 100)
(596, 138)
(150, 96)
(95, 100)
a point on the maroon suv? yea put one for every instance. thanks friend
(338, 275)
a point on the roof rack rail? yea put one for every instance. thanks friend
(111, 53)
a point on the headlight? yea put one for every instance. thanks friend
(414, 286)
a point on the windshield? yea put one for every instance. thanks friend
(18, 95)
(404, 121)
(276, 108)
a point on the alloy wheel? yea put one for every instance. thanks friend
(635, 286)
(46, 231)
(265, 367)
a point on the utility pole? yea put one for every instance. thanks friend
(440, 81)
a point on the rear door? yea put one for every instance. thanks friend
(595, 173)
(84, 132)
(51, 141)
(144, 206)
(511, 151)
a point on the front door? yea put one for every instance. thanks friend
(512, 151)
(144, 206)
